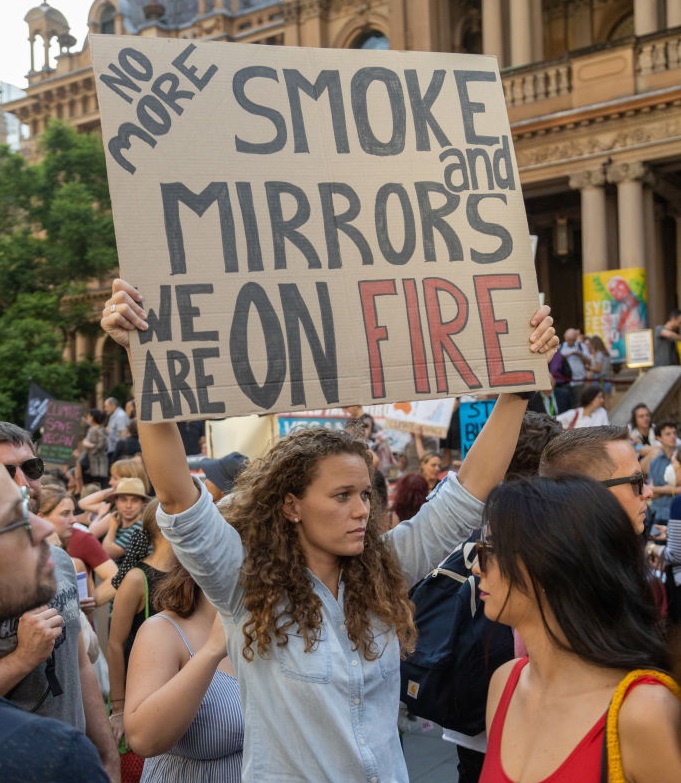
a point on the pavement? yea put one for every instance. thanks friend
(429, 758)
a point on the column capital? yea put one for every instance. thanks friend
(592, 178)
(627, 172)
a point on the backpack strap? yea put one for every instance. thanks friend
(611, 759)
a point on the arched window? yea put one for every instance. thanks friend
(107, 20)
(623, 29)
(371, 40)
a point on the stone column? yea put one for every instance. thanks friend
(591, 185)
(537, 31)
(82, 347)
(493, 30)
(645, 17)
(673, 15)
(46, 50)
(630, 212)
(521, 32)
(99, 358)
(677, 258)
(31, 40)
(655, 277)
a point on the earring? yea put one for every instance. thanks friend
(296, 519)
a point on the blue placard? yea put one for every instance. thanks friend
(288, 424)
(472, 417)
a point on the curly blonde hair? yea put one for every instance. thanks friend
(278, 589)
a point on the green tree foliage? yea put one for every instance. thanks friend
(56, 234)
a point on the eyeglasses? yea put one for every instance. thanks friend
(637, 481)
(25, 520)
(33, 468)
(483, 549)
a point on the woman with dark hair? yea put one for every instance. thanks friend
(182, 708)
(642, 435)
(410, 494)
(314, 599)
(93, 461)
(560, 562)
(590, 413)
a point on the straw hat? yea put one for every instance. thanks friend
(130, 486)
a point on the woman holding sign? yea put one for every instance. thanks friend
(314, 600)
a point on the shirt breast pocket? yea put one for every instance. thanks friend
(389, 653)
(312, 666)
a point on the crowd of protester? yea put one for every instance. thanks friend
(255, 619)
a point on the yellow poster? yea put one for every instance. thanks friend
(615, 302)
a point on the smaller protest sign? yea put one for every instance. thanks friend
(61, 431)
(329, 418)
(640, 348)
(36, 407)
(430, 417)
(472, 416)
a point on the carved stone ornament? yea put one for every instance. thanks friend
(587, 179)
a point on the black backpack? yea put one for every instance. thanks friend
(447, 677)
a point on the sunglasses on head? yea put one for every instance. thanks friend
(483, 549)
(637, 481)
(33, 468)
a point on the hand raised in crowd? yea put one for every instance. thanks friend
(544, 339)
(123, 313)
(37, 632)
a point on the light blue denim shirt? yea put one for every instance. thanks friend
(327, 716)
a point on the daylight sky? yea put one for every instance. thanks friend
(15, 53)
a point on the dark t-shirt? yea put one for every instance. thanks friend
(665, 350)
(42, 750)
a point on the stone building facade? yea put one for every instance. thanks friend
(593, 89)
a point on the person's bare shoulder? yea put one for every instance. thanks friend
(650, 735)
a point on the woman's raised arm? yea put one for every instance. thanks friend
(164, 455)
(489, 457)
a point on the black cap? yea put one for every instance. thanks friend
(223, 472)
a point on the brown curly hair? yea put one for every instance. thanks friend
(277, 585)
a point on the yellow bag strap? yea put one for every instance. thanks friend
(615, 770)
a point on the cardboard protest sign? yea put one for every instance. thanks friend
(314, 228)
(61, 431)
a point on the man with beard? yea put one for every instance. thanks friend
(44, 666)
(34, 748)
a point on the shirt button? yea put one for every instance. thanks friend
(355, 701)
(354, 663)
(342, 626)
(362, 742)
(374, 779)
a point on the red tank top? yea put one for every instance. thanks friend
(583, 764)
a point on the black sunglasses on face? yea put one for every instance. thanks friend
(483, 549)
(33, 468)
(637, 481)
